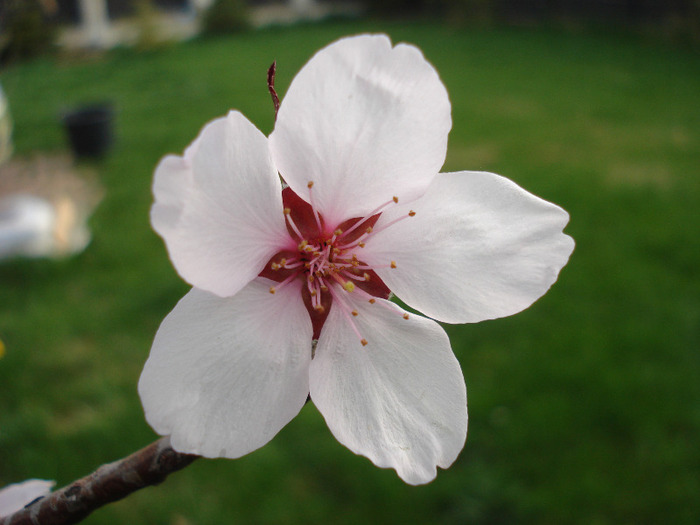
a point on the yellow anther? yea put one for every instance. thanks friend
(313, 293)
(303, 244)
(310, 184)
(275, 266)
(369, 229)
(372, 301)
(349, 286)
(283, 262)
(393, 264)
(272, 289)
(395, 199)
(320, 308)
(366, 276)
(411, 213)
(354, 312)
(324, 288)
(338, 232)
(361, 244)
(287, 211)
(311, 278)
(364, 342)
(336, 251)
(405, 316)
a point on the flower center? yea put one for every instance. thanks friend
(328, 260)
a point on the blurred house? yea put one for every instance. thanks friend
(102, 24)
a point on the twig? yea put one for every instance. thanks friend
(111, 482)
(271, 87)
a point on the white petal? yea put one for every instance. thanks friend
(364, 122)
(401, 400)
(14, 497)
(219, 208)
(225, 375)
(479, 247)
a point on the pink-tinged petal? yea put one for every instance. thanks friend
(479, 247)
(225, 375)
(16, 496)
(364, 122)
(219, 207)
(401, 399)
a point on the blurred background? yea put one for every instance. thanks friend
(584, 409)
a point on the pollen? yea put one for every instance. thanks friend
(319, 308)
(411, 213)
(310, 184)
(349, 286)
(338, 232)
(355, 313)
(287, 211)
(361, 244)
(364, 342)
(405, 316)
(393, 264)
(395, 199)
(272, 289)
(372, 301)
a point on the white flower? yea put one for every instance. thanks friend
(360, 138)
(14, 497)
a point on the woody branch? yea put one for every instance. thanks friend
(110, 482)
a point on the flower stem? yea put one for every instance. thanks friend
(110, 482)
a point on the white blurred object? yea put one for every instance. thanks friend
(95, 20)
(34, 227)
(44, 208)
(14, 497)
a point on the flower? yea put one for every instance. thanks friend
(291, 285)
(14, 497)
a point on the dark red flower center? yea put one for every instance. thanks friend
(327, 259)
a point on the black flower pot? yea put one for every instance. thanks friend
(89, 130)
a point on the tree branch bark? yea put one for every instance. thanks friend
(111, 482)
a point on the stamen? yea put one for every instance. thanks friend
(384, 304)
(394, 200)
(393, 264)
(350, 275)
(347, 313)
(288, 280)
(310, 185)
(288, 217)
(391, 223)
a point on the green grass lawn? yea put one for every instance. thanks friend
(583, 409)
